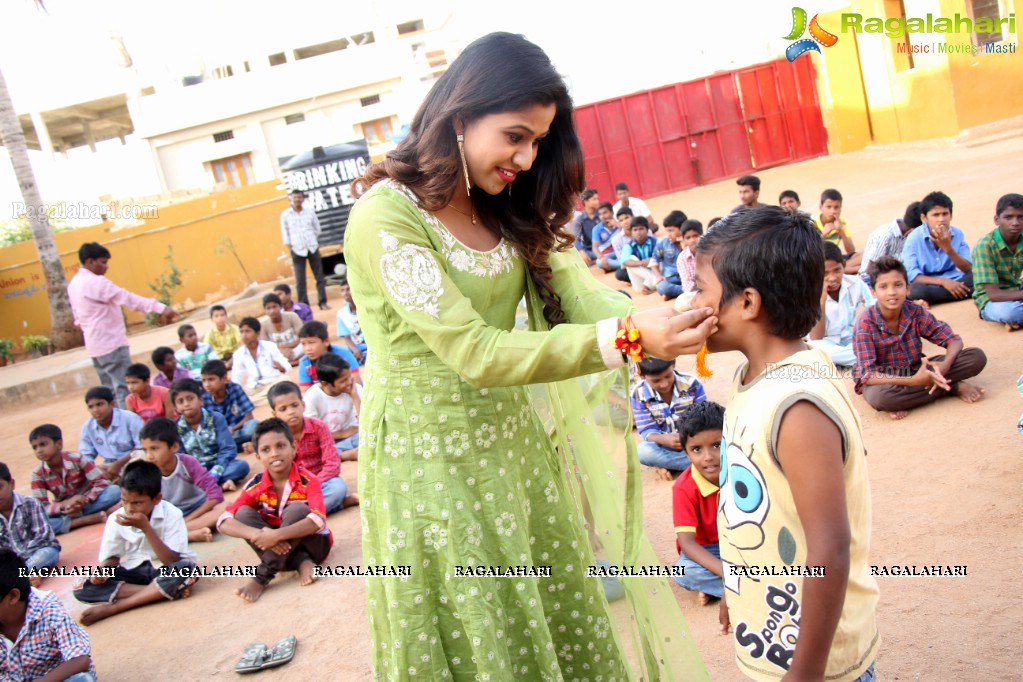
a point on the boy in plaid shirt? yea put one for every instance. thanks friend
(39, 640)
(230, 400)
(24, 528)
(81, 492)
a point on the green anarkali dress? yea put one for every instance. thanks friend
(456, 468)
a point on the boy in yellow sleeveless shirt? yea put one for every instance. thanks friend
(794, 511)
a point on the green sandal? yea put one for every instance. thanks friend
(282, 652)
(253, 658)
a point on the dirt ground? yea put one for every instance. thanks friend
(945, 483)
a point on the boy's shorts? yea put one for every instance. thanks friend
(170, 580)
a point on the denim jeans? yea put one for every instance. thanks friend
(235, 470)
(81, 677)
(347, 443)
(334, 491)
(42, 558)
(654, 455)
(670, 287)
(868, 676)
(1006, 312)
(244, 434)
(110, 496)
(699, 579)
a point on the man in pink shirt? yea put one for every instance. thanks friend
(96, 304)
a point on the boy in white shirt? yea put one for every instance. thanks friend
(336, 401)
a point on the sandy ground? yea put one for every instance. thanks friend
(945, 484)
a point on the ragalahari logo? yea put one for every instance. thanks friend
(818, 36)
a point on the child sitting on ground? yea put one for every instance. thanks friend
(313, 337)
(694, 502)
(891, 371)
(257, 363)
(789, 201)
(24, 528)
(110, 436)
(843, 299)
(230, 400)
(82, 495)
(794, 486)
(193, 353)
(281, 328)
(205, 436)
(280, 513)
(335, 401)
(186, 484)
(660, 396)
(289, 305)
(665, 260)
(314, 445)
(167, 370)
(146, 529)
(225, 338)
(144, 399)
(637, 257)
(349, 331)
(691, 230)
(40, 641)
(834, 229)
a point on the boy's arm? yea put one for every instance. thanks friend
(328, 454)
(648, 429)
(229, 525)
(39, 494)
(245, 417)
(206, 506)
(809, 450)
(174, 535)
(304, 380)
(86, 447)
(115, 294)
(696, 552)
(78, 664)
(202, 478)
(97, 481)
(71, 640)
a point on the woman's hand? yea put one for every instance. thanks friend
(666, 334)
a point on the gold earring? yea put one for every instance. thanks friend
(465, 166)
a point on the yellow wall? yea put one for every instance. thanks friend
(940, 96)
(248, 216)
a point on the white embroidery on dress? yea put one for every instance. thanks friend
(498, 260)
(411, 275)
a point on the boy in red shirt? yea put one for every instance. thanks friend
(286, 534)
(695, 501)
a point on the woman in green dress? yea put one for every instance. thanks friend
(457, 472)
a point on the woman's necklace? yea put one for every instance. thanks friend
(472, 212)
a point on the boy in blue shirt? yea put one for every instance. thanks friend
(658, 400)
(314, 339)
(665, 259)
(637, 257)
(205, 436)
(603, 235)
(230, 400)
(936, 255)
(109, 437)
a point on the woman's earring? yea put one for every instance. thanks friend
(465, 166)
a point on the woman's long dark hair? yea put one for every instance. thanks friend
(500, 72)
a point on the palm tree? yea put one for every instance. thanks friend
(63, 332)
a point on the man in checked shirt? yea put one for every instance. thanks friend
(300, 232)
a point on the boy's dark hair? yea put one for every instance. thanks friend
(640, 221)
(100, 393)
(790, 194)
(912, 215)
(935, 199)
(625, 210)
(215, 308)
(13, 575)
(699, 417)
(832, 252)
(779, 254)
(51, 431)
(185, 386)
(648, 366)
(90, 250)
(282, 389)
(184, 329)
(283, 287)
(142, 478)
(691, 226)
(1008, 201)
(5, 473)
(588, 193)
(160, 354)
(830, 195)
(330, 366)
(215, 367)
(271, 298)
(674, 219)
(886, 264)
(252, 323)
(749, 181)
(621, 185)
(137, 370)
(161, 429)
(606, 204)
(271, 425)
(314, 329)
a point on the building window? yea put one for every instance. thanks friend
(223, 72)
(986, 9)
(292, 119)
(410, 27)
(321, 48)
(236, 171)
(377, 131)
(277, 59)
(223, 136)
(902, 49)
(370, 101)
